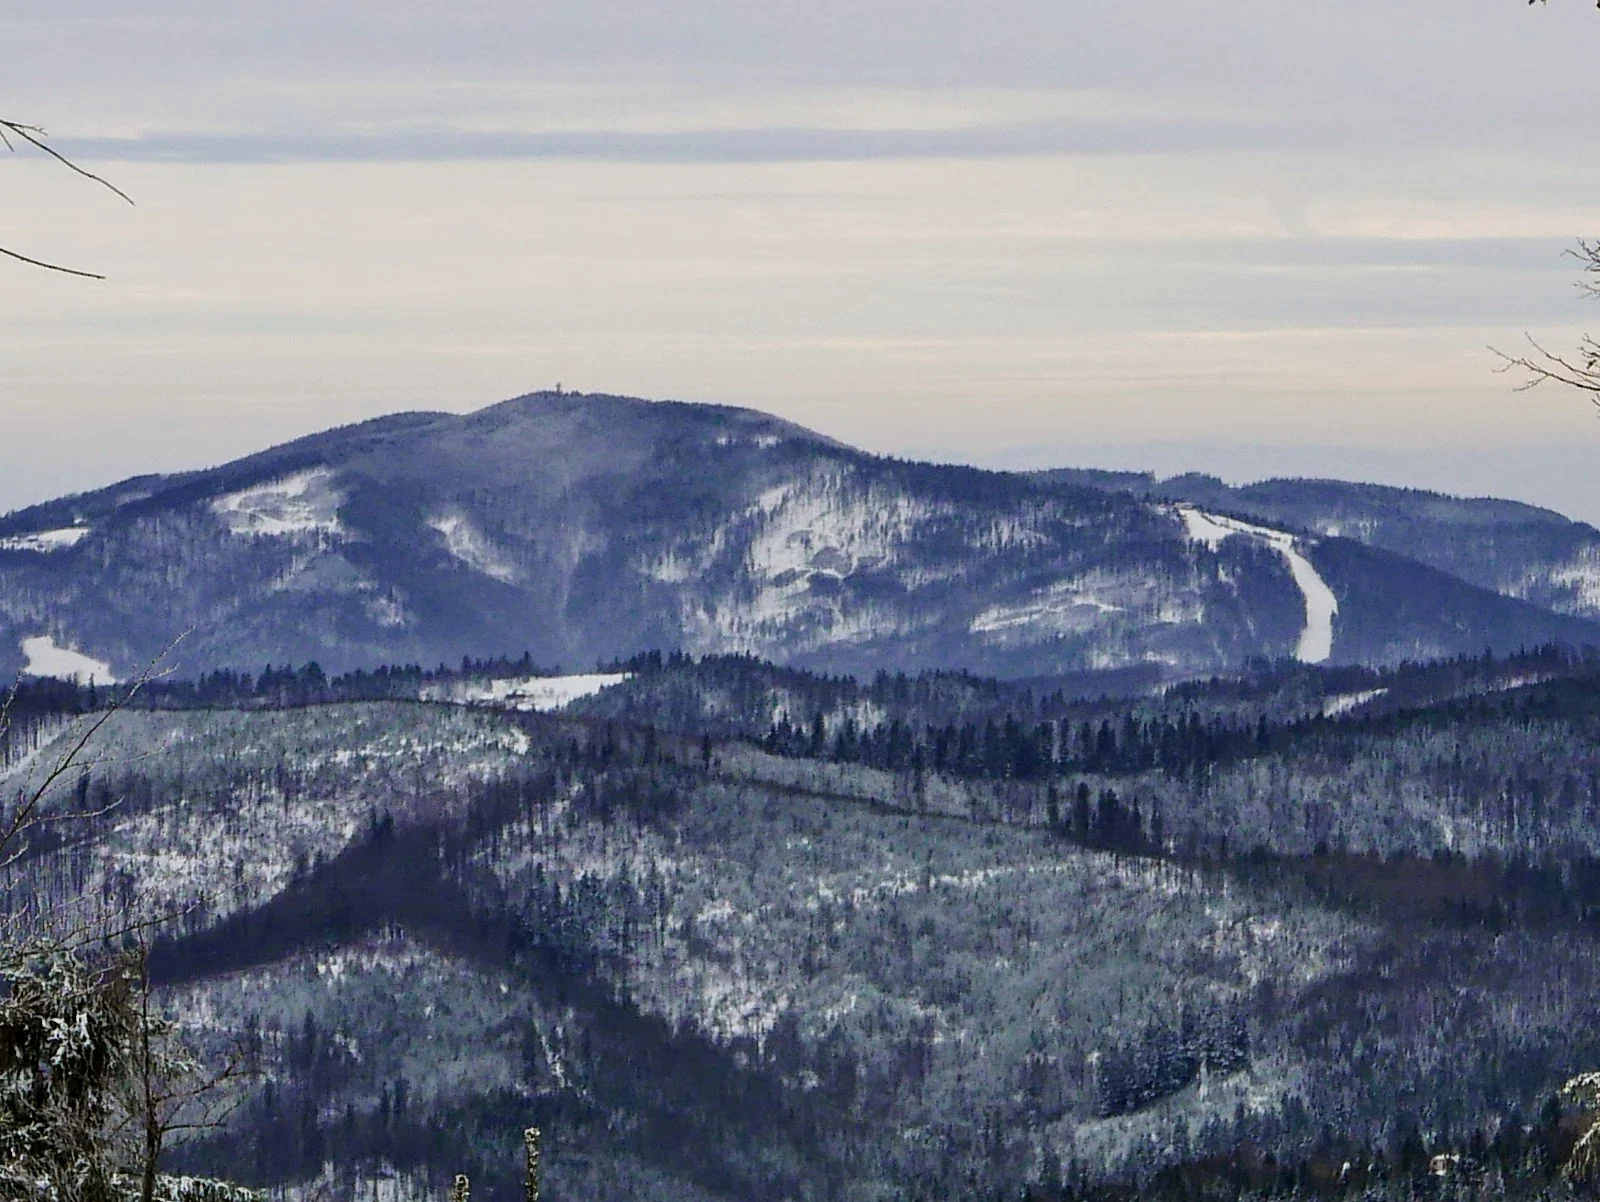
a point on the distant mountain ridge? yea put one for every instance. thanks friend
(583, 528)
(1514, 548)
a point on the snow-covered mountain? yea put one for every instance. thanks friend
(582, 528)
(1513, 548)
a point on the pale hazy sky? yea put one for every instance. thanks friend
(1255, 237)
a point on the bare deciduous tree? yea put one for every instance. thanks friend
(1581, 368)
(34, 803)
(94, 1078)
(168, 1091)
(1578, 369)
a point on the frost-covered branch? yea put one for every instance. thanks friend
(94, 1080)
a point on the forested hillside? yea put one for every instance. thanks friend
(807, 937)
(582, 528)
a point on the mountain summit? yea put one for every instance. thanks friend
(582, 527)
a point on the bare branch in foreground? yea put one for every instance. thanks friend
(1545, 366)
(36, 137)
(88, 275)
(1580, 369)
(30, 809)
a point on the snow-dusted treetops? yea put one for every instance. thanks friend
(728, 929)
(1170, 839)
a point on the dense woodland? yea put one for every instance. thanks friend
(714, 960)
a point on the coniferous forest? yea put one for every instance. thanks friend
(723, 929)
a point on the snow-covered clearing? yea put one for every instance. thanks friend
(376, 1182)
(825, 523)
(1521, 682)
(473, 548)
(797, 541)
(1345, 702)
(541, 693)
(1316, 640)
(304, 503)
(45, 658)
(1070, 607)
(1059, 603)
(45, 541)
(1361, 529)
(763, 442)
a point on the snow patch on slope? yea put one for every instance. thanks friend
(541, 693)
(764, 442)
(46, 658)
(1333, 707)
(304, 503)
(45, 541)
(1361, 530)
(785, 560)
(1316, 640)
(1582, 576)
(1203, 528)
(1060, 606)
(829, 556)
(385, 609)
(1070, 607)
(473, 548)
(819, 527)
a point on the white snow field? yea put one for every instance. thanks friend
(304, 503)
(45, 658)
(544, 694)
(1344, 703)
(471, 547)
(45, 541)
(1316, 640)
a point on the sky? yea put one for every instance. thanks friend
(1245, 237)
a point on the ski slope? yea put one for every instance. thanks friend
(1316, 639)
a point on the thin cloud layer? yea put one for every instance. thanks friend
(771, 144)
(920, 226)
(1455, 72)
